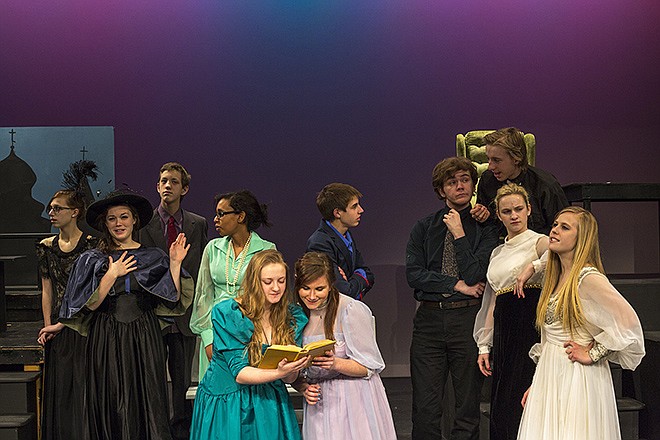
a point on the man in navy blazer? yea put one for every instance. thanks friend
(339, 205)
(168, 221)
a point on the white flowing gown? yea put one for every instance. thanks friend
(571, 401)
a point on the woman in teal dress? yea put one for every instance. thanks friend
(236, 400)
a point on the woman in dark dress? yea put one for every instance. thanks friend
(115, 296)
(504, 327)
(64, 354)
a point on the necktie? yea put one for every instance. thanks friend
(449, 265)
(171, 232)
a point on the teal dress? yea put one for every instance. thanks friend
(226, 409)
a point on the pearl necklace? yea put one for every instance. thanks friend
(231, 285)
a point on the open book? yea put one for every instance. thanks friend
(275, 353)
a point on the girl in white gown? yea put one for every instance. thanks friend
(585, 323)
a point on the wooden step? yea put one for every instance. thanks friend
(18, 345)
(19, 376)
(22, 387)
(18, 427)
(23, 305)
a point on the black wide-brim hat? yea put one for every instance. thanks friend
(144, 209)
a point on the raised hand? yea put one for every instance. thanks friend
(123, 266)
(179, 248)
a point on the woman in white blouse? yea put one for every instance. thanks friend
(584, 323)
(504, 327)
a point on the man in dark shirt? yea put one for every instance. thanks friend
(446, 262)
(340, 208)
(168, 221)
(507, 162)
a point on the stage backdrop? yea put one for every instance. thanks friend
(283, 97)
(32, 160)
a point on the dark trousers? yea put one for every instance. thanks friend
(443, 344)
(180, 352)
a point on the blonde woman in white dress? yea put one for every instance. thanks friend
(585, 324)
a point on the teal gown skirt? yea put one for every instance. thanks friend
(224, 409)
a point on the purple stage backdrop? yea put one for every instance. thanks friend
(282, 97)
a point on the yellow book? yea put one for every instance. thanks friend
(275, 353)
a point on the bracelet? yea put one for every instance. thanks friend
(598, 351)
(370, 373)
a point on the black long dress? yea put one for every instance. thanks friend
(507, 324)
(514, 334)
(125, 372)
(64, 355)
(127, 367)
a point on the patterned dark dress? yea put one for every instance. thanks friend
(65, 354)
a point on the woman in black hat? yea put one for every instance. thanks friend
(116, 295)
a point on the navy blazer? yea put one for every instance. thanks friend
(196, 229)
(325, 239)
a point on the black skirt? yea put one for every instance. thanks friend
(64, 386)
(514, 334)
(126, 389)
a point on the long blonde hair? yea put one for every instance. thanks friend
(586, 253)
(252, 303)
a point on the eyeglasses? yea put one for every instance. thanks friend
(56, 209)
(219, 213)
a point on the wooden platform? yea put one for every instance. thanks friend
(19, 347)
(19, 351)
